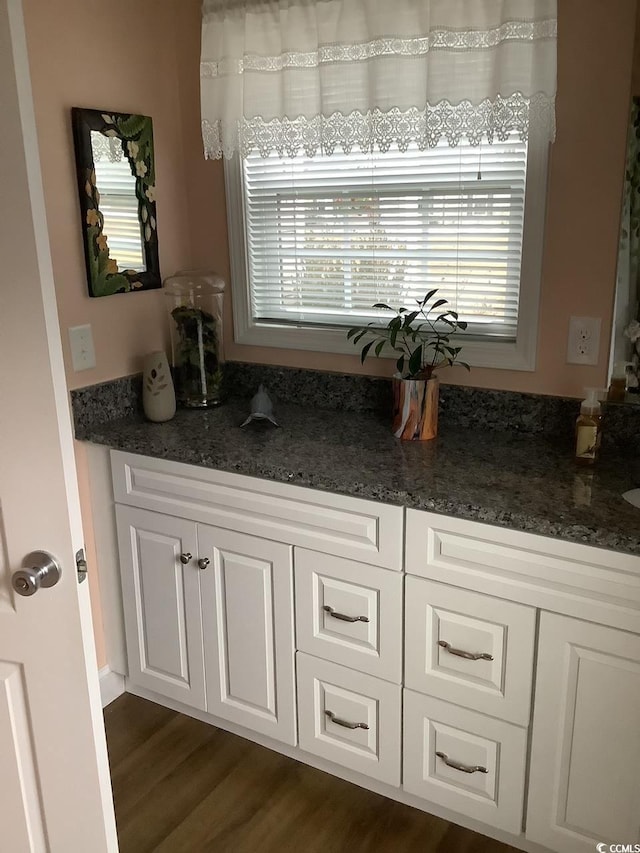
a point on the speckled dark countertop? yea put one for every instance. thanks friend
(523, 482)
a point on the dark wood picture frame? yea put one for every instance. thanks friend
(135, 133)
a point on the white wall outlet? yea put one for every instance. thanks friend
(584, 340)
(83, 354)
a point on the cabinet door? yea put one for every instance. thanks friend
(585, 760)
(161, 597)
(247, 612)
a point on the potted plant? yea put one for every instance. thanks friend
(423, 339)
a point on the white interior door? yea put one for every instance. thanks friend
(54, 775)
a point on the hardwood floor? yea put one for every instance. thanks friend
(182, 786)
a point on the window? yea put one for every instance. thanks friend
(317, 241)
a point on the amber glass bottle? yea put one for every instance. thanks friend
(588, 427)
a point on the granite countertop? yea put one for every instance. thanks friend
(522, 482)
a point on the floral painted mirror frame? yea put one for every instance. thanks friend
(135, 133)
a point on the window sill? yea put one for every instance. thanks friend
(507, 355)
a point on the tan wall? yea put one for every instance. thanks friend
(143, 56)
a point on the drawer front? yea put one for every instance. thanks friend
(349, 718)
(469, 648)
(464, 761)
(357, 529)
(565, 577)
(349, 613)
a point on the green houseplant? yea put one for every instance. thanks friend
(424, 339)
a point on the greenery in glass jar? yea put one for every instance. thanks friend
(197, 372)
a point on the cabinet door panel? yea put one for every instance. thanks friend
(247, 594)
(585, 762)
(161, 599)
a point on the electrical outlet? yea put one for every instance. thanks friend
(583, 346)
(83, 355)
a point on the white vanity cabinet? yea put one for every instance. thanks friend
(483, 674)
(206, 606)
(206, 561)
(482, 590)
(584, 782)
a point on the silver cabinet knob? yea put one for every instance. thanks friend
(39, 569)
(186, 558)
(203, 562)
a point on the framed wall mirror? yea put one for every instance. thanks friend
(116, 185)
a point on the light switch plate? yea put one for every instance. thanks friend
(583, 346)
(83, 354)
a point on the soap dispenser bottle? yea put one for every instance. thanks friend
(588, 428)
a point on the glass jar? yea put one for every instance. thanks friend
(195, 305)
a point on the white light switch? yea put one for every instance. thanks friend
(583, 346)
(83, 355)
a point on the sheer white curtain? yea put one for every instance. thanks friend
(303, 76)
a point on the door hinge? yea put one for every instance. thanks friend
(81, 565)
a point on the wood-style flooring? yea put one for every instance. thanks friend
(182, 786)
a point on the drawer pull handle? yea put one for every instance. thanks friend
(343, 617)
(464, 768)
(345, 723)
(461, 654)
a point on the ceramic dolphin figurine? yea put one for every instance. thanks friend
(261, 408)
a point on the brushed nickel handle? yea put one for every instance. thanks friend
(463, 768)
(345, 723)
(462, 654)
(186, 558)
(203, 562)
(343, 617)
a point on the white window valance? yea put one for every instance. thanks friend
(309, 76)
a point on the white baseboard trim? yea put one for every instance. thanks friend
(111, 685)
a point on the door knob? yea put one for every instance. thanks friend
(185, 558)
(203, 562)
(38, 569)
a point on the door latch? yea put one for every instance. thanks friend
(81, 565)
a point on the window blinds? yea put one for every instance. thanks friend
(327, 237)
(119, 207)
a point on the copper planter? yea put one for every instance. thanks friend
(415, 408)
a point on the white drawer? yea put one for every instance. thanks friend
(578, 580)
(349, 613)
(349, 718)
(480, 771)
(351, 527)
(468, 648)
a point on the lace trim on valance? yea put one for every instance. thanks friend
(391, 46)
(489, 120)
(106, 148)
